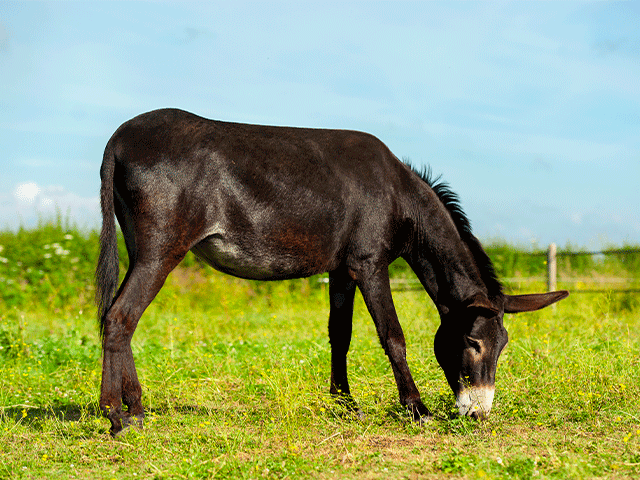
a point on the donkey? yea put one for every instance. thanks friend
(271, 203)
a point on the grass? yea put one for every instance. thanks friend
(235, 381)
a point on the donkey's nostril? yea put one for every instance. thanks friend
(479, 415)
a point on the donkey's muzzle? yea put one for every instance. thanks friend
(475, 402)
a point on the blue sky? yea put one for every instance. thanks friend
(531, 111)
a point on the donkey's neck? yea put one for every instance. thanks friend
(447, 258)
(447, 270)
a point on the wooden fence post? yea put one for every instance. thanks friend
(552, 269)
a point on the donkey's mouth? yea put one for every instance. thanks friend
(475, 401)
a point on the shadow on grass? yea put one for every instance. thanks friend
(86, 420)
(62, 413)
(79, 421)
(68, 413)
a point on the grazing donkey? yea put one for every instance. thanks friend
(273, 203)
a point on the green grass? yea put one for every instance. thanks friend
(235, 381)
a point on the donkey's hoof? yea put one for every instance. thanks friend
(423, 419)
(419, 414)
(351, 407)
(135, 421)
(346, 401)
(126, 422)
(354, 414)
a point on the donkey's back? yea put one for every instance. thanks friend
(254, 201)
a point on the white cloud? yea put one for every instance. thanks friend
(30, 203)
(27, 192)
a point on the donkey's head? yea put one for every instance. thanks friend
(470, 340)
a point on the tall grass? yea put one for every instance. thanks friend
(54, 265)
(235, 381)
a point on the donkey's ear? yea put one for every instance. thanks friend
(482, 302)
(535, 301)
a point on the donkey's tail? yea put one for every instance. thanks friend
(107, 270)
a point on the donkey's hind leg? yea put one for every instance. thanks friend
(119, 377)
(131, 391)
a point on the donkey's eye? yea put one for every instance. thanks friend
(473, 343)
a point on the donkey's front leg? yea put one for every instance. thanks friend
(376, 292)
(341, 292)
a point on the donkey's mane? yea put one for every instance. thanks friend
(451, 201)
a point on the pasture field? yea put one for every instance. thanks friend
(235, 380)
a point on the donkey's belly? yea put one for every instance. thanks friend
(256, 260)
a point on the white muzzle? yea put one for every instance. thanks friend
(475, 401)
